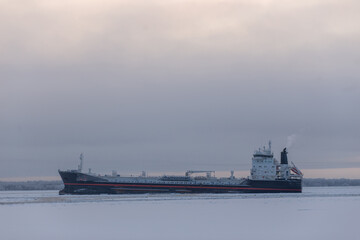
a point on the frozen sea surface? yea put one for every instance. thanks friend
(317, 213)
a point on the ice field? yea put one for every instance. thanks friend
(317, 213)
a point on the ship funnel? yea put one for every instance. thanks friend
(284, 157)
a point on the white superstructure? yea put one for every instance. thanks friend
(266, 167)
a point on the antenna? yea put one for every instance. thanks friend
(270, 145)
(81, 162)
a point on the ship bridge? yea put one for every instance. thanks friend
(264, 152)
(264, 165)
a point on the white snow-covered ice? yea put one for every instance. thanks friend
(317, 213)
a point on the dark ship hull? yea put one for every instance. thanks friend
(80, 183)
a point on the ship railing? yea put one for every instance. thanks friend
(295, 177)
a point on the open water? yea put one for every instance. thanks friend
(317, 213)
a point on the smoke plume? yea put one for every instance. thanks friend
(290, 140)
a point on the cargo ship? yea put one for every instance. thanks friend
(267, 175)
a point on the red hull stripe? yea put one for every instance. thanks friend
(169, 186)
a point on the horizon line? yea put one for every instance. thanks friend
(328, 173)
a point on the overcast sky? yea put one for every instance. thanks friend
(176, 85)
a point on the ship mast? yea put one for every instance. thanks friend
(81, 162)
(270, 145)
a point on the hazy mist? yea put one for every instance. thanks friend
(177, 85)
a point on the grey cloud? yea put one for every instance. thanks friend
(174, 86)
